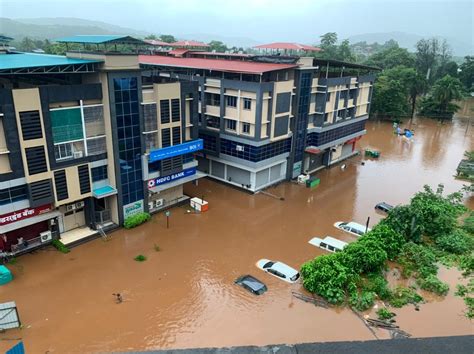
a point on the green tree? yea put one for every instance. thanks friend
(328, 45)
(168, 38)
(218, 46)
(427, 52)
(344, 52)
(391, 57)
(27, 44)
(439, 101)
(466, 74)
(151, 36)
(389, 98)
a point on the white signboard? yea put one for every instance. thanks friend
(132, 208)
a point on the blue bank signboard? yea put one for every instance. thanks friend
(170, 178)
(176, 150)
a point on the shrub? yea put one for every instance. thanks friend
(140, 258)
(417, 260)
(433, 284)
(402, 296)
(458, 242)
(384, 314)
(362, 301)
(366, 255)
(469, 223)
(469, 301)
(328, 277)
(60, 246)
(466, 264)
(135, 220)
(376, 283)
(390, 240)
(461, 290)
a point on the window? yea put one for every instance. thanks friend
(165, 111)
(165, 137)
(331, 248)
(230, 124)
(328, 97)
(63, 151)
(13, 194)
(36, 160)
(61, 185)
(31, 125)
(231, 101)
(99, 173)
(213, 122)
(246, 128)
(213, 99)
(176, 135)
(84, 179)
(175, 116)
(247, 103)
(326, 117)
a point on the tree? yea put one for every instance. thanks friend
(151, 36)
(427, 51)
(27, 44)
(328, 39)
(389, 98)
(391, 57)
(466, 74)
(218, 46)
(328, 46)
(439, 101)
(344, 52)
(168, 38)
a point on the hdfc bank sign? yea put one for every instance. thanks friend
(170, 178)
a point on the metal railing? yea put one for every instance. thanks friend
(28, 245)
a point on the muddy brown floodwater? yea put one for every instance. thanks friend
(184, 296)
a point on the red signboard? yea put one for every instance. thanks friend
(23, 214)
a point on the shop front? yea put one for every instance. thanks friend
(28, 228)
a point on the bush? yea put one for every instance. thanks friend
(366, 255)
(135, 220)
(433, 284)
(402, 296)
(469, 223)
(469, 301)
(390, 240)
(466, 264)
(60, 246)
(384, 314)
(376, 283)
(140, 258)
(417, 260)
(458, 242)
(363, 301)
(328, 277)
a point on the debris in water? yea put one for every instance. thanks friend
(313, 300)
(118, 298)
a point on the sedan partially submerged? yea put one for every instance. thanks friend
(279, 270)
(352, 228)
(251, 284)
(383, 207)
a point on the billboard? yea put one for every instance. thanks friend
(170, 178)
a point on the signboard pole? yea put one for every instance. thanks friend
(167, 213)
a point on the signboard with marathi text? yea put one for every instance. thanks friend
(170, 178)
(176, 150)
(22, 214)
(132, 208)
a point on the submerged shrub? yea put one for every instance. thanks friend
(135, 220)
(140, 258)
(458, 242)
(402, 296)
(366, 255)
(433, 284)
(362, 301)
(390, 240)
(417, 260)
(376, 283)
(61, 247)
(384, 314)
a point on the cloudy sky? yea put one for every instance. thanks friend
(264, 20)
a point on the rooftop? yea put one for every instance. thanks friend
(235, 66)
(338, 63)
(189, 44)
(288, 46)
(100, 39)
(157, 43)
(16, 61)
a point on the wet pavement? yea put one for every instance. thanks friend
(183, 296)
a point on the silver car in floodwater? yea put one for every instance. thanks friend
(279, 270)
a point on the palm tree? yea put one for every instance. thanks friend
(446, 90)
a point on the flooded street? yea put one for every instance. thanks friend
(184, 295)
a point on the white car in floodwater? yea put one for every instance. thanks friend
(279, 270)
(351, 227)
(329, 243)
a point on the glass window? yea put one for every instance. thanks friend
(176, 135)
(175, 115)
(99, 173)
(247, 103)
(165, 111)
(328, 97)
(231, 101)
(165, 137)
(63, 151)
(230, 124)
(246, 128)
(13, 194)
(213, 122)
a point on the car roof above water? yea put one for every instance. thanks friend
(252, 282)
(331, 241)
(285, 269)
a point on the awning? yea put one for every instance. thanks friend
(103, 192)
(353, 140)
(27, 222)
(312, 150)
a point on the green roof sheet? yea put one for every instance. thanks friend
(31, 60)
(99, 39)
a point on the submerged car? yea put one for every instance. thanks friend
(279, 270)
(329, 243)
(352, 228)
(383, 207)
(251, 284)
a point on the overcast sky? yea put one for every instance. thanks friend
(264, 20)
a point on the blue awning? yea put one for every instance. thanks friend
(103, 192)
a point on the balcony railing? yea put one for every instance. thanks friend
(28, 245)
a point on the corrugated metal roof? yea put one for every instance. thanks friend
(288, 46)
(189, 44)
(237, 66)
(157, 43)
(99, 39)
(31, 60)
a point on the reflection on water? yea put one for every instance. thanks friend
(184, 295)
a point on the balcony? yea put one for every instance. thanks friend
(213, 110)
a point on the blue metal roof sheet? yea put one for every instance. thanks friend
(31, 60)
(104, 191)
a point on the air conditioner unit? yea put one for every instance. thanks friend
(239, 148)
(151, 205)
(70, 207)
(77, 154)
(159, 202)
(46, 236)
(80, 204)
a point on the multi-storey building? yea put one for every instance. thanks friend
(264, 119)
(88, 139)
